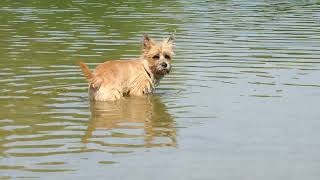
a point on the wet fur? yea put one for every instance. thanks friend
(115, 79)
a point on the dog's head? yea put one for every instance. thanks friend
(158, 55)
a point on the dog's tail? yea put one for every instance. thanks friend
(86, 71)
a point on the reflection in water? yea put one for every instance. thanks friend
(254, 65)
(131, 122)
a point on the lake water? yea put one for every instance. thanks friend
(242, 101)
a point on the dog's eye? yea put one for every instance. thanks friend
(156, 57)
(167, 56)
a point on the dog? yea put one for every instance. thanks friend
(115, 79)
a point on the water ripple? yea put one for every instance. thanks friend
(228, 54)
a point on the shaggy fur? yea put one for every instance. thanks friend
(115, 79)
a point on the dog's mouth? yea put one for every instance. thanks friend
(164, 71)
(161, 71)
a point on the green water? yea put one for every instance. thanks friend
(242, 101)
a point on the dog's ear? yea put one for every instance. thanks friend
(147, 42)
(168, 43)
(170, 39)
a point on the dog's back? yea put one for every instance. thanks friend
(114, 79)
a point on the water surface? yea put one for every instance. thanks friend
(242, 101)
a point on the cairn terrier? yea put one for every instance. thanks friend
(112, 80)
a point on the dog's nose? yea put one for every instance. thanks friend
(164, 64)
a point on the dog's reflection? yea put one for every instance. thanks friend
(130, 120)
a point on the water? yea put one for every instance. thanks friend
(242, 101)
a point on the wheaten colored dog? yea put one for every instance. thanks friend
(115, 79)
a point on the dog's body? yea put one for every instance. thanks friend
(115, 79)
